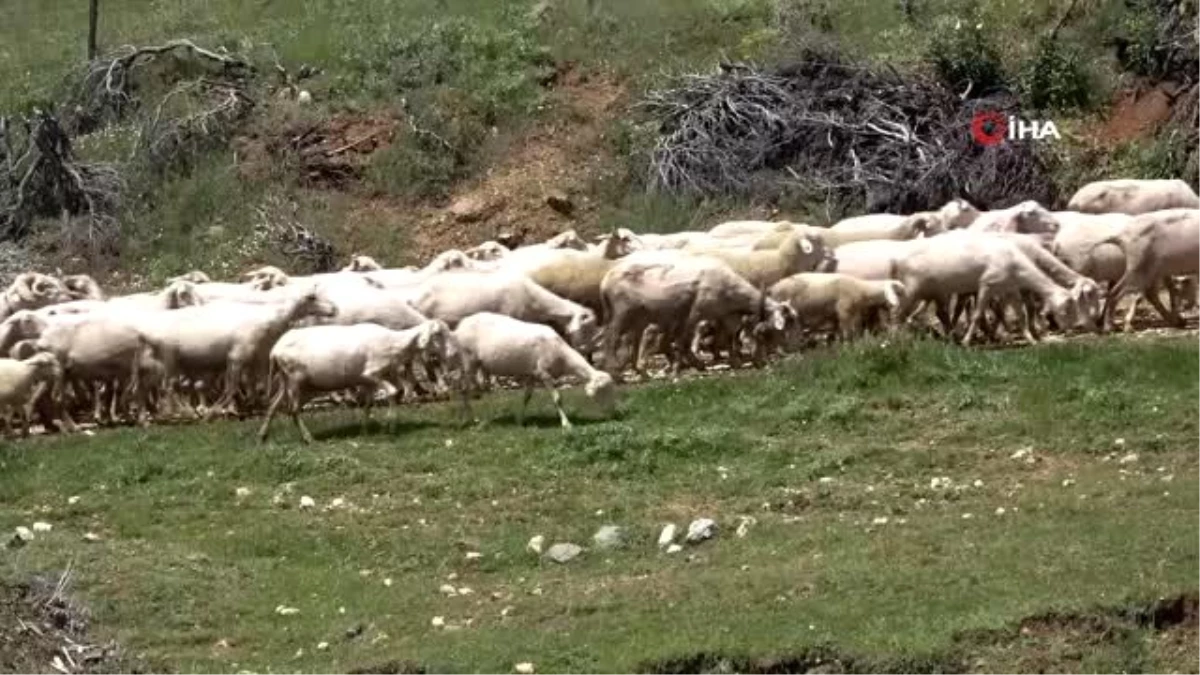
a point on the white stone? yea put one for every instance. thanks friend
(674, 548)
(564, 552)
(744, 526)
(438, 622)
(524, 668)
(881, 520)
(536, 544)
(307, 502)
(667, 535)
(700, 530)
(447, 590)
(40, 526)
(1128, 459)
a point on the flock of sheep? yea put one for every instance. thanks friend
(569, 309)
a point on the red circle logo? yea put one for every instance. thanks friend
(989, 127)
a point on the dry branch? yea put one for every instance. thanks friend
(846, 135)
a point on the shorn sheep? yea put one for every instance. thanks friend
(533, 354)
(22, 383)
(366, 357)
(844, 300)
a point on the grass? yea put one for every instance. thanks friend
(185, 564)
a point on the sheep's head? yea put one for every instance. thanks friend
(620, 243)
(925, 223)
(583, 329)
(22, 325)
(1065, 308)
(488, 250)
(32, 290)
(266, 278)
(362, 263)
(44, 364)
(1087, 296)
(82, 287)
(182, 293)
(1033, 218)
(314, 303)
(568, 239)
(805, 253)
(602, 389)
(958, 213)
(445, 261)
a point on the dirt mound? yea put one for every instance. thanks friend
(334, 153)
(44, 630)
(522, 193)
(1138, 113)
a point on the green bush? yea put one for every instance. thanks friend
(963, 54)
(1056, 77)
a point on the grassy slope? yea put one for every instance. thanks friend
(184, 564)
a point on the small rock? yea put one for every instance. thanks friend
(438, 622)
(967, 516)
(939, 482)
(524, 668)
(978, 483)
(387, 582)
(1023, 453)
(1068, 482)
(466, 590)
(473, 555)
(506, 611)
(354, 631)
(1120, 442)
(307, 502)
(881, 520)
(471, 209)
(535, 544)
(667, 535)
(284, 610)
(700, 530)
(744, 525)
(564, 553)
(73, 500)
(322, 646)
(21, 536)
(447, 590)
(674, 548)
(337, 503)
(40, 526)
(1128, 459)
(1000, 510)
(304, 97)
(608, 537)
(242, 492)
(91, 537)
(559, 201)
(825, 480)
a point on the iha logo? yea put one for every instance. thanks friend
(992, 128)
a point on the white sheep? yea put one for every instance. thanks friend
(1133, 197)
(366, 357)
(533, 354)
(764, 267)
(844, 300)
(1157, 245)
(1028, 217)
(22, 383)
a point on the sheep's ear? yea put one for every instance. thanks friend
(806, 245)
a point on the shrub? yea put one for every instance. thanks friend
(963, 55)
(1056, 78)
(1156, 38)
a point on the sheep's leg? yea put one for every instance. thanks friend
(266, 425)
(295, 403)
(469, 382)
(1153, 294)
(981, 302)
(524, 404)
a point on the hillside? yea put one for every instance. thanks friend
(443, 123)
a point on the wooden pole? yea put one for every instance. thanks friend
(93, 18)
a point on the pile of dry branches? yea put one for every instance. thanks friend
(849, 136)
(40, 177)
(280, 230)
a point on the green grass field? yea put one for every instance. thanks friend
(818, 450)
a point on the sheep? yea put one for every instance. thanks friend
(487, 251)
(574, 275)
(225, 339)
(94, 348)
(847, 301)
(306, 361)
(1085, 290)
(676, 293)
(25, 381)
(362, 263)
(1133, 197)
(82, 287)
(955, 214)
(32, 290)
(970, 262)
(406, 277)
(500, 345)
(454, 296)
(1028, 217)
(762, 268)
(195, 277)
(746, 228)
(1157, 245)
(663, 242)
